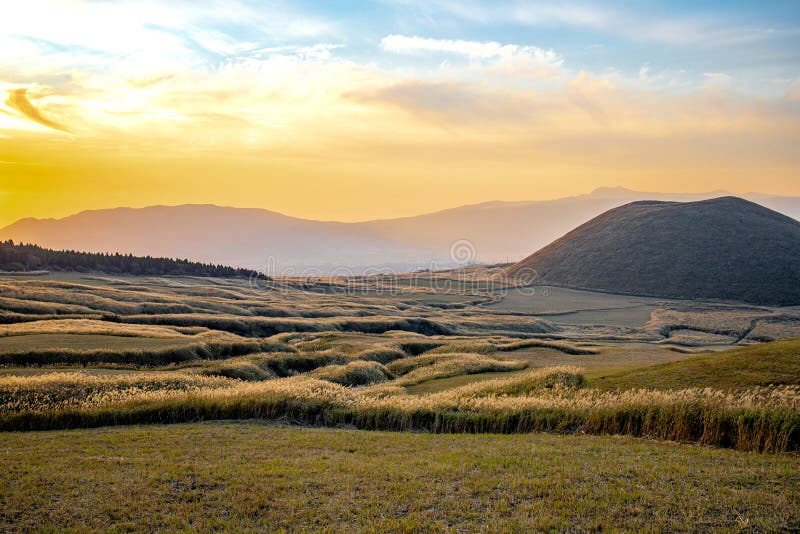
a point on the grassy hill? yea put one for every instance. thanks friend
(726, 248)
(775, 363)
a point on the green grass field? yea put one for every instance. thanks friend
(252, 476)
(759, 365)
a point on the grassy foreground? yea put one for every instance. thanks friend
(254, 476)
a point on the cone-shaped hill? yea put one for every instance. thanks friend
(725, 248)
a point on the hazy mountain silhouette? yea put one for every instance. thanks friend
(725, 248)
(499, 231)
(232, 236)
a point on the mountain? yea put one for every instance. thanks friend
(508, 231)
(256, 238)
(252, 238)
(725, 248)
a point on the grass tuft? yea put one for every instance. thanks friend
(359, 373)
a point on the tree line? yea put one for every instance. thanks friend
(27, 257)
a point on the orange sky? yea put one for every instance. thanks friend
(308, 132)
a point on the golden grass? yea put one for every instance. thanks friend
(89, 326)
(251, 368)
(358, 373)
(53, 392)
(59, 342)
(333, 359)
(566, 348)
(761, 419)
(431, 366)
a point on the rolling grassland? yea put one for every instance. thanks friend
(319, 357)
(355, 396)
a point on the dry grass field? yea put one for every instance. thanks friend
(83, 353)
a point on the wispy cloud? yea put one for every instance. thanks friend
(498, 58)
(452, 104)
(149, 36)
(318, 51)
(585, 106)
(403, 44)
(18, 100)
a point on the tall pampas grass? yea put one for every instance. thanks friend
(763, 419)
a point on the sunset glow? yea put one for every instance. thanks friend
(349, 112)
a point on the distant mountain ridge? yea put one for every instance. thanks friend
(497, 231)
(234, 236)
(725, 248)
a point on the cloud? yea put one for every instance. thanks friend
(290, 94)
(592, 95)
(18, 100)
(148, 37)
(482, 109)
(475, 50)
(584, 107)
(448, 104)
(491, 57)
(717, 80)
(315, 52)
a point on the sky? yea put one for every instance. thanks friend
(352, 111)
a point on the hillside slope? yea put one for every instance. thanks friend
(725, 248)
(776, 363)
